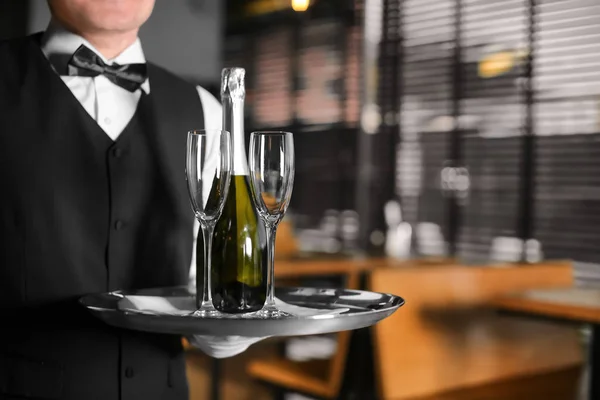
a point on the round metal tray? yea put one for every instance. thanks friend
(317, 311)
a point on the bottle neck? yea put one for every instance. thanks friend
(233, 121)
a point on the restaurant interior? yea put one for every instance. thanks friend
(445, 152)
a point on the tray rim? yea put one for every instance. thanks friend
(397, 301)
(287, 327)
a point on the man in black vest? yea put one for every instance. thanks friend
(92, 152)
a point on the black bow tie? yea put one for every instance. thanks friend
(87, 63)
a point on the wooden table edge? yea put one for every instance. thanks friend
(523, 305)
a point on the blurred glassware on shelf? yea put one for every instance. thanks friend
(398, 241)
(511, 249)
(430, 240)
(335, 234)
(286, 245)
(349, 231)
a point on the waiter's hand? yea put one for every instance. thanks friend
(222, 346)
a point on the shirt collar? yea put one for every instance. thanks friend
(59, 44)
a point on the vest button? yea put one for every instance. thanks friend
(119, 225)
(118, 152)
(129, 372)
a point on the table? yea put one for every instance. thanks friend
(574, 304)
(325, 266)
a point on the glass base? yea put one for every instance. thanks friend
(207, 314)
(207, 310)
(273, 313)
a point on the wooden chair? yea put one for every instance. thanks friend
(446, 344)
(322, 378)
(318, 378)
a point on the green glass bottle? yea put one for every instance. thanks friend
(239, 276)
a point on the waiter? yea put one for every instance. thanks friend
(93, 199)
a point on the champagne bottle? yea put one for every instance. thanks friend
(239, 275)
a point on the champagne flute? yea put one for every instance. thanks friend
(271, 181)
(208, 172)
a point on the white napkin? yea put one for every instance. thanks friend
(223, 346)
(213, 346)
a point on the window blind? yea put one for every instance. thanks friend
(426, 107)
(493, 41)
(567, 117)
(489, 98)
(304, 76)
(273, 91)
(319, 98)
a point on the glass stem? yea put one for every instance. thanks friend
(271, 233)
(205, 302)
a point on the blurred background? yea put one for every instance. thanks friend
(438, 139)
(475, 122)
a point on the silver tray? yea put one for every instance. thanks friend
(318, 311)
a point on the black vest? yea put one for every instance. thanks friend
(80, 213)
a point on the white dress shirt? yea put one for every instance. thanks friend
(111, 106)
